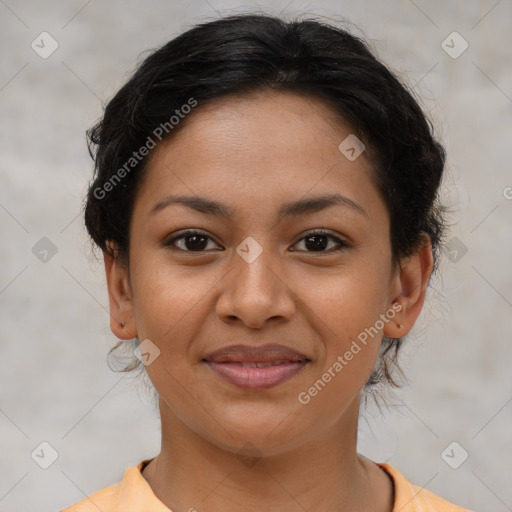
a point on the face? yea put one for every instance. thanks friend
(256, 271)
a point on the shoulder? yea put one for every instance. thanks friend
(412, 498)
(105, 500)
(131, 494)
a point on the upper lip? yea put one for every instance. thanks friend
(255, 354)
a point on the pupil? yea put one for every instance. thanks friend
(317, 245)
(195, 245)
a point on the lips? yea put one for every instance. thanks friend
(256, 367)
(260, 354)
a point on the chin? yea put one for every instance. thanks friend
(263, 430)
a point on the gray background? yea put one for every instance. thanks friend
(55, 383)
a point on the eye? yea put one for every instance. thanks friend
(197, 241)
(318, 239)
(194, 241)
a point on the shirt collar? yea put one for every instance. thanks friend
(135, 494)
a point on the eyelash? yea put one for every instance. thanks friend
(319, 232)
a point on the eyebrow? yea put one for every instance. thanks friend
(291, 209)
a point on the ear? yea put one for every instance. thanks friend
(122, 317)
(411, 281)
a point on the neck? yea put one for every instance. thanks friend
(324, 474)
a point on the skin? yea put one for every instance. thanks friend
(253, 154)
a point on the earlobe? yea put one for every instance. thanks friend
(415, 272)
(122, 318)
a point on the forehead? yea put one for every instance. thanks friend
(264, 147)
(270, 118)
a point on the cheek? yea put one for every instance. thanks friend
(170, 308)
(172, 301)
(346, 300)
(350, 346)
(347, 309)
(165, 296)
(335, 306)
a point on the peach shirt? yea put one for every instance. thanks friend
(133, 494)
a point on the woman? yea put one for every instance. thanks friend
(266, 200)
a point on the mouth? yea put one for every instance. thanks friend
(255, 364)
(256, 368)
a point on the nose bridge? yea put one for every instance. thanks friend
(256, 289)
(254, 267)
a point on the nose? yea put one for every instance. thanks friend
(255, 293)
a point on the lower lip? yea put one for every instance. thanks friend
(256, 378)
